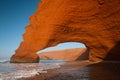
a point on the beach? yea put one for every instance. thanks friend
(82, 70)
(15, 71)
(61, 70)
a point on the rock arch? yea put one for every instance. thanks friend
(95, 23)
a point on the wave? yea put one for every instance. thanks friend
(13, 71)
(4, 60)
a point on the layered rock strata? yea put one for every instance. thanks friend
(66, 54)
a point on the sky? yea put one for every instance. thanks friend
(14, 16)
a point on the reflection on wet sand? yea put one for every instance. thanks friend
(105, 71)
(83, 71)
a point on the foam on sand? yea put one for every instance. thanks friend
(24, 70)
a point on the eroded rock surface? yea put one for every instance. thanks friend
(96, 23)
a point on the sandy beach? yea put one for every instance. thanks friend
(107, 70)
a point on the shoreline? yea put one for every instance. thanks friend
(66, 67)
(81, 70)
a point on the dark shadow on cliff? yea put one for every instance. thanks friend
(114, 53)
(84, 56)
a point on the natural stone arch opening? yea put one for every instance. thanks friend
(68, 51)
(95, 25)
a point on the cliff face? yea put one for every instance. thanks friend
(67, 54)
(96, 23)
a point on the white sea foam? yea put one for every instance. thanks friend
(16, 71)
(3, 60)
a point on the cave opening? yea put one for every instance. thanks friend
(68, 51)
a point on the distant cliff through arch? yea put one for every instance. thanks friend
(68, 51)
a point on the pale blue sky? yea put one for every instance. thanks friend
(14, 15)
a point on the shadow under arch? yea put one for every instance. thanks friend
(83, 55)
(114, 53)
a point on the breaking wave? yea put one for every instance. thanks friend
(14, 71)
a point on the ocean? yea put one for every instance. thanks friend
(14, 71)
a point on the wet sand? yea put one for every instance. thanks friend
(107, 70)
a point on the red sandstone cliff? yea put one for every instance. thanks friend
(96, 23)
(67, 54)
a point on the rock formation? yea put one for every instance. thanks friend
(96, 23)
(66, 54)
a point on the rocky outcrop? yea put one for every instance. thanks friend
(43, 57)
(66, 54)
(96, 23)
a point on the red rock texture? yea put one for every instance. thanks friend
(96, 23)
(66, 54)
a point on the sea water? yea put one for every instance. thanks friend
(14, 71)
